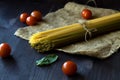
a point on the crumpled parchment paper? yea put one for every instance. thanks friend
(100, 47)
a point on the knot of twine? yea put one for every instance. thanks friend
(88, 31)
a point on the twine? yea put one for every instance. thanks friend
(88, 31)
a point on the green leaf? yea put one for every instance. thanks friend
(49, 59)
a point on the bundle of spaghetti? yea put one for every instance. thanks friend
(58, 37)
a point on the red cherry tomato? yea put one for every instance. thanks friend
(23, 17)
(86, 14)
(5, 50)
(37, 15)
(31, 21)
(69, 68)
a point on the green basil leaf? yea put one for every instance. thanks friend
(49, 59)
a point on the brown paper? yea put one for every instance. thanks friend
(100, 47)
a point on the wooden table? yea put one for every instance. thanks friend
(21, 65)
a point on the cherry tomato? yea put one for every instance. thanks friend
(86, 14)
(5, 50)
(31, 21)
(37, 15)
(69, 68)
(23, 17)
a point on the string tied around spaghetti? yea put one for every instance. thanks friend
(88, 31)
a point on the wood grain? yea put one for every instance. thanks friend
(21, 64)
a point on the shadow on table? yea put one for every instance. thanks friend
(77, 76)
(10, 64)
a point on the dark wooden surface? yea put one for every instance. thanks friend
(21, 65)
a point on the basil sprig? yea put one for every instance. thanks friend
(49, 59)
